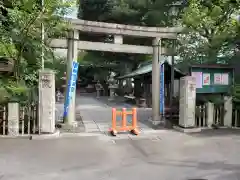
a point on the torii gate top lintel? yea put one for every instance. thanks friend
(123, 29)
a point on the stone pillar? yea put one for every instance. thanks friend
(228, 107)
(187, 102)
(210, 114)
(72, 55)
(13, 119)
(47, 101)
(156, 81)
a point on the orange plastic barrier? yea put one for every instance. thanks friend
(124, 127)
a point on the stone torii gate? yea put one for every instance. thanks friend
(73, 44)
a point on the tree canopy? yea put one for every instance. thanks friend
(212, 26)
(213, 30)
(21, 36)
(133, 12)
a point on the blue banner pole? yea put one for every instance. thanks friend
(162, 89)
(71, 87)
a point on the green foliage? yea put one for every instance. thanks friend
(213, 29)
(18, 91)
(133, 12)
(20, 39)
(236, 96)
(12, 90)
(236, 93)
(59, 66)
(4, 95)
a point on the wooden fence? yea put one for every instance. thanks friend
(201, 118)
(236, 118)
(28, 119)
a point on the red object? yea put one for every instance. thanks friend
(124, 127)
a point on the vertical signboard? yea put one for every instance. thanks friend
(206, 79)
(71, 86)
(162, 88)
(199, 79)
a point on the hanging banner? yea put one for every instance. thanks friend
(162, 88)
(71, 86)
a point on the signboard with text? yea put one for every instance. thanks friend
(212, 79)
(162, 87)
(71, 87)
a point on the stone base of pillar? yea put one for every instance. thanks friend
(157, 122)
(187, 130)
(73, 128)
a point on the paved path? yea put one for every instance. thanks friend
(164, 156)
(96, 114)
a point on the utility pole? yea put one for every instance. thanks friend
(172, 81)
(42, 38)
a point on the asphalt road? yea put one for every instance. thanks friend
(164, 156)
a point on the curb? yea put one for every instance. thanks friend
(33, 137)
(185, 130)
(45, 136)
(56, 135)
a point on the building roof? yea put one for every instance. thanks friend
(145, 69)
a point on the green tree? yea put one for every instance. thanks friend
(21, 36)
(133, 12)
(212, 29)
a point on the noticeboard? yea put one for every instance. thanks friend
(212, 79)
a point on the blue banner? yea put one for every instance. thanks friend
(71, 86)
(162, 89)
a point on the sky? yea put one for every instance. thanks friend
(73, 14)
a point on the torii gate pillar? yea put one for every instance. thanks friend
(156, 81)
(72, 55)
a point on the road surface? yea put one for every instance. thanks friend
(164, 156)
